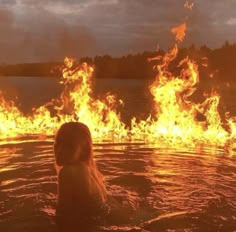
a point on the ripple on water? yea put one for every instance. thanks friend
(158, 189)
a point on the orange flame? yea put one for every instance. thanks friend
(75, 103)
(100, 116)
(188, 5)
(175, 121)
(179, 32)
(176, 118)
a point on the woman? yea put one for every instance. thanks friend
(81, 191)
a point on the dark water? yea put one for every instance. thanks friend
(165, 189)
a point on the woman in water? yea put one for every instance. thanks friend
(81, 190)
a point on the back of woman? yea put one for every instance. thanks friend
(81, 191)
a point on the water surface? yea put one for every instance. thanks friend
(165, 189)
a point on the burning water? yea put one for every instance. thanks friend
(174, 172)
(178, 189)
(174, 121)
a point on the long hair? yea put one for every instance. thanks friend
(69, 136)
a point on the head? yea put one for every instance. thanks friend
(73, 143)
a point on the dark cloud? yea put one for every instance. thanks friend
(38, 35)
(8, 2)
(49, 29)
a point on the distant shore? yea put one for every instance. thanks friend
(220, 62)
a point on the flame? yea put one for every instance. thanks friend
(175, 121)
(14, 123)
(75, 104)
(100, 116)
(188, 5)
(179, 32)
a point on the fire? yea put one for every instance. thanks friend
(179, 32)
(188, 5)
(15, 124)
(75, 103)
(100, 116)
(175, 121)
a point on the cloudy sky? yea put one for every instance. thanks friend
(44, 30)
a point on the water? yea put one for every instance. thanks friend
(164, 189)
(167, 189)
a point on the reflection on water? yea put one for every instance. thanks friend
(165, 189)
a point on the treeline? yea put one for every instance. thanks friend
(31, 69)
(220, 62)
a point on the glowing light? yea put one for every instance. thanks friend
(189, 5)
(174, 121)
(179, 32)
(75, 104)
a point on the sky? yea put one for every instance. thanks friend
(49, 30)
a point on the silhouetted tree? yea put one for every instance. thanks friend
(137, 66)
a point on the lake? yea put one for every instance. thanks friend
(166, 189)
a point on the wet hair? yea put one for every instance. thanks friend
(70, 136)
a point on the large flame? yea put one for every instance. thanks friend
(100, 115)
(175, 121)
(75, 104)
